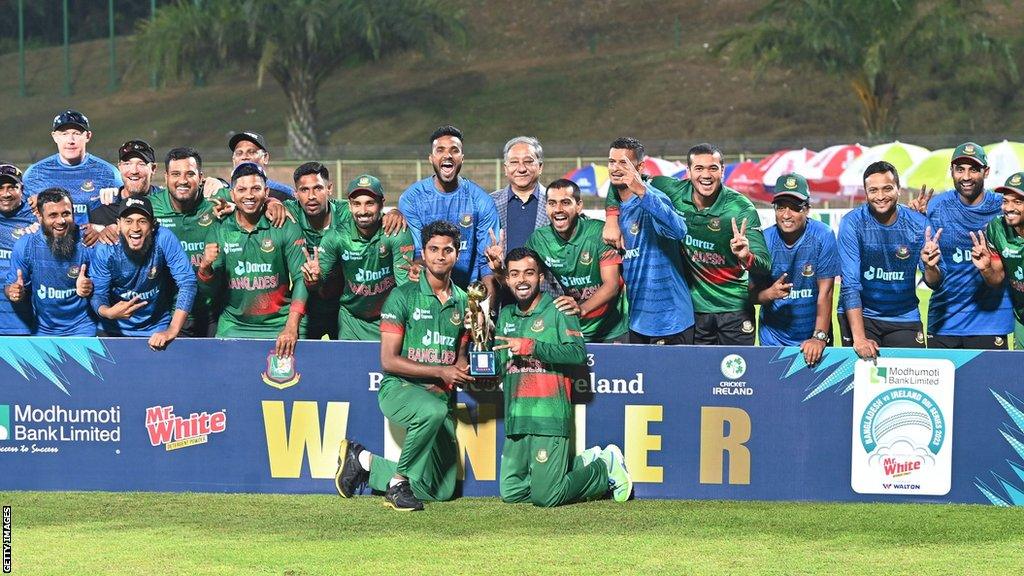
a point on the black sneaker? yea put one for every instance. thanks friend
(350, 474)
(401, 498)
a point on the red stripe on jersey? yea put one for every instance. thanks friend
(392, 328)
(540, 385)
(611, 258)
(611, 210)
(596, 312)
(723, 275)
(574, 333)
(299, 305)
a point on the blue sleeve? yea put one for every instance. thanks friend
(19, 262)
(487, 222)
(406, 205)
(100, 274)
(180, 267)
(828, 255)
(667, 222)
(849, 262)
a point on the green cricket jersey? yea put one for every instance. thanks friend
(576, 265)
(316, 307)
(259, 274)
(191, 228)
(717, 281)
(537, 381)
(1010, 247)
(431, 331)
(369, 267)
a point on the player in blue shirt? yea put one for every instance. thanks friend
(135, 279)
(796, 301)
(72, 168)
(965, 312)
(660, 308)
(48, 267)
(449, 197)
(252, 147)
(16, 220)
(877, 246)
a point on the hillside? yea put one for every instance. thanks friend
(576, 74)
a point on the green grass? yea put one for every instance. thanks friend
(196, 534)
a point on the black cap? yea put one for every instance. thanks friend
(247, 169)
(137, 149)
(140, 204)
(10, 173)
(253, 137)
(71, 118)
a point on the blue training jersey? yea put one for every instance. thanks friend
(15, 318)
(117, 277)
(83, 181)
(469, 207)
(656, 288)
(964, 305)
(880, 263)
(59, 310)
(815, 256)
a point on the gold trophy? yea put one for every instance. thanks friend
(481, 357)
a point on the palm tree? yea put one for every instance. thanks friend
(298, 43)
(874, 45)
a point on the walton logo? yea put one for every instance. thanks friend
(5, 422)
(878, 375)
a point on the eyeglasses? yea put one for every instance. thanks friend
(527, 163)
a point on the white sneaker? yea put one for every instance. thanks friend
(619, 481)
(590, 454)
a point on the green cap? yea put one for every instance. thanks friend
(793, 185)
(1014, 184)
(366, 183)
(970, 151)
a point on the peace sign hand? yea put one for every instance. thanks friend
(930, 253)
(311, 268)
(411, 268)
(980, 254)
(920, 202)
(780, 288)
(739, 245)
(495, 253)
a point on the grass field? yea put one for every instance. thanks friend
(198, 534)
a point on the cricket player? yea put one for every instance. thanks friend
(360, 262)
(423, 355)
(998, 252)
(537, 346)
(16, 220)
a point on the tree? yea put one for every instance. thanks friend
(298, 43)
(876, 46)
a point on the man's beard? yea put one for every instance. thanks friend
(63, 247)
(142, 254)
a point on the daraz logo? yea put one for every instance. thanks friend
(878, 375)
(5, 421)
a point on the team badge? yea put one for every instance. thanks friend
(1015, 181)
(538, 325)
(466, 221)
(969, 149)
(715, 224)
(280, 372)
(999, 341)
(808, 270)
(383, 250)
(456, 318)
(919, 338)
(790, 183)
(542, 456)
(267, 245)
(903, 252)
(88, 186)
(747, 327)
(586, 258)
(364, 181)
(73, 271)
(19, 232)
(152, 273)
(635, 228)
(206, 219)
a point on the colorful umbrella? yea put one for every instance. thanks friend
(823, 170)
(1004, 159)
(660, 167)
(746, 178)
(783, 162)
(592, 179)
(931, 171)
(899, 154)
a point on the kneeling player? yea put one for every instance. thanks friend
(423, 355)
(538, 346)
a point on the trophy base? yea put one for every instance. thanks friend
(482, 364)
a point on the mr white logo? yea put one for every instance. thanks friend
(876, 273)
(434, 337)
(164, 427)
(245, 267)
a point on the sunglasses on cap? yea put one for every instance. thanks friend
(135, 146)
(10, 170)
